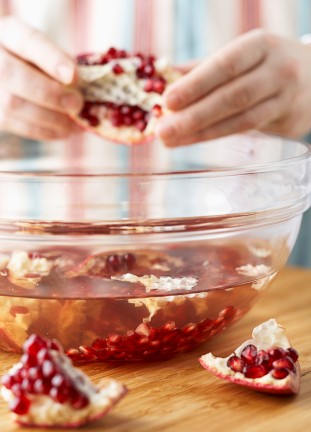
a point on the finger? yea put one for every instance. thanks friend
(188, 66)
(26, 129)
(241, 55)
(35, 47)
(230, 99)
(27, 82)
(254, 118)
(19, 108)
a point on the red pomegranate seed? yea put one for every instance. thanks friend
(157, 110)
(235, 364)
(148, 87)
(254, 371)
(129, 260)
(293, 354)
(117, 69)
(128, 121)
(248, 354)
(159, 86)
(114, 263)
(228, 313)
(276, 353)
(138, 114)
(141, 125)
(284, 362)
(33, 345)
(264, 359)
(20, 405)
(125, 110)
(279, 373)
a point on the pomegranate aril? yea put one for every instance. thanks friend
(248, 354)
(59, 395)
(292, 353)
(254, 371)
(284, 362)
(141, 125)
(276, 353)
(117, 69)
(20, 405)
(279, 373)
(129, 260)
(8, 381)
(236, 364)
(114, 263)
(34, 344)
(138, 114)
(264, 359)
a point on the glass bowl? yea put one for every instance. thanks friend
(142, 253)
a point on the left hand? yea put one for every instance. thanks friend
(259, 81)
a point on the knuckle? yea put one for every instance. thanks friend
(248, 120)
(228, 65)
(290, 70)
(240, 98)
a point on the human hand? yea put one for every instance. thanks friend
(35, 97)
(259, 81)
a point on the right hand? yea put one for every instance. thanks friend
(37, 92)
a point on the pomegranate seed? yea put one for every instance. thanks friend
(141, 125)
(293, 354)
(284, 362)
(117, 120)
(20, 405)
(228, 313)
(148, 87)
(112, 52)
(254, 371)
(78, 400)
(8, 380)
(264, 359)
(235, 363)
(129, 260)
(114, 263)
(138, 114)
(143, 330)
(128, 121)
(159, 86)
(157, 110)
(279, 373)
(48, 369)
(34, 344)
(276, 353)
(125, 109)
(248, 354)
(59, 395)
(117, 69)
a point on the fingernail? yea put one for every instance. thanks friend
(65, 73)
(165, 128)
(72, 101)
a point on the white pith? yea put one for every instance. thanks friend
(100, 83)
(46, 412)
(267, 335)
(20, 264)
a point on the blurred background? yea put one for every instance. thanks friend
(177, 29)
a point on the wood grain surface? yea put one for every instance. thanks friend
(178, 395)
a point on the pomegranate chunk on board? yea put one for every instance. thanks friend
(266, 363)
(44, 389)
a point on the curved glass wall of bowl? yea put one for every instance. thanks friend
(131, 253)
(251, 175)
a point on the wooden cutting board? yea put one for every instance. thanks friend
(178, 395)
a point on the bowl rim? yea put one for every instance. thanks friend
(220, 171)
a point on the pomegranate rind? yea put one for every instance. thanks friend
(267, 335)
(62, 415)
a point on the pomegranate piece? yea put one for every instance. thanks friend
(116, 263)
(44, 389)
(266, 363)
(123, 94)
